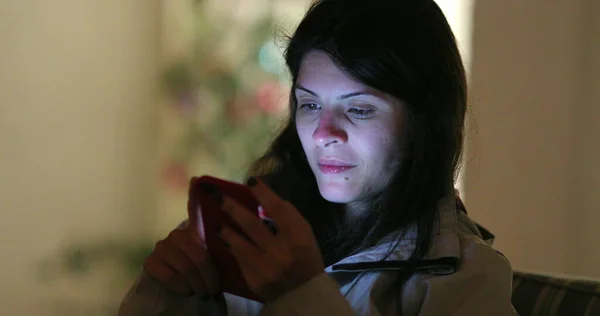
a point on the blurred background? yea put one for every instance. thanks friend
(108, 107)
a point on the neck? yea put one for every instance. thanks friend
(366, 205)
(356, 210)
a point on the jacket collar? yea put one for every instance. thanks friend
(443, 256)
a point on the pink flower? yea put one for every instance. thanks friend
(176, 176)
(271, 96)
(187, 102)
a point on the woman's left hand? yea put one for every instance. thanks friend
(272, 264)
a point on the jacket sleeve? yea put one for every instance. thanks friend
(481, 286)
(319, 296)
(148, 298)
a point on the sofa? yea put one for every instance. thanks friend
(536, 294)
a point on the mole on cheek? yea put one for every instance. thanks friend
(346, 178)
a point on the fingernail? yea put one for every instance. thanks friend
(251, 181)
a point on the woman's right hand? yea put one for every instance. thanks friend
(181, 262)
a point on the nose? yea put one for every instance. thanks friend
(328, 131)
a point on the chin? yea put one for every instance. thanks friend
(335, 194)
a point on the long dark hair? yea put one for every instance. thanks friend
(404, 48)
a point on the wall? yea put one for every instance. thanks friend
(78, 134)
(532, 172)
(77, 131)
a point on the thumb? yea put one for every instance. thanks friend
(280, 211)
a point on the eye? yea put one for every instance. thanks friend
(361, 113)
(309, 107)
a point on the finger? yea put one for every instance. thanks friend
(249, 224)
(193, 234)
(196, 251)
(249, 258)
(164, 275)
(279, 210)
(253, 278)
(179, 262)
(238, 245)
(260, 275)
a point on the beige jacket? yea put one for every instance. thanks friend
(461, 275)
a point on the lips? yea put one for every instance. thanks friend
(328, 166)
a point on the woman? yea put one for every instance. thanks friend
(359, 184)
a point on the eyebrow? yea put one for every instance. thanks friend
(344, 96)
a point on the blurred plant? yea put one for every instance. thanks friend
(228, 95)
(78, 260)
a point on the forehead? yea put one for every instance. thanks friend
(320, 74)
(318, 68)
(317, 60)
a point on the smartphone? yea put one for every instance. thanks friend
(201, 200)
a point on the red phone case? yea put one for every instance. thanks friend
(230, 274)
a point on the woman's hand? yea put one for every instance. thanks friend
(272, 264)
(181, 262)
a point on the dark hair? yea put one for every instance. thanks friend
(404, 48)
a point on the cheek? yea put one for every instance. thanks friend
(302, 131)
(376, 142)
(381, 148)
(305, 136)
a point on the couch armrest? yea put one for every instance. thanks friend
(548, 295)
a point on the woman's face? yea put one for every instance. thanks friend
(350, 132)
